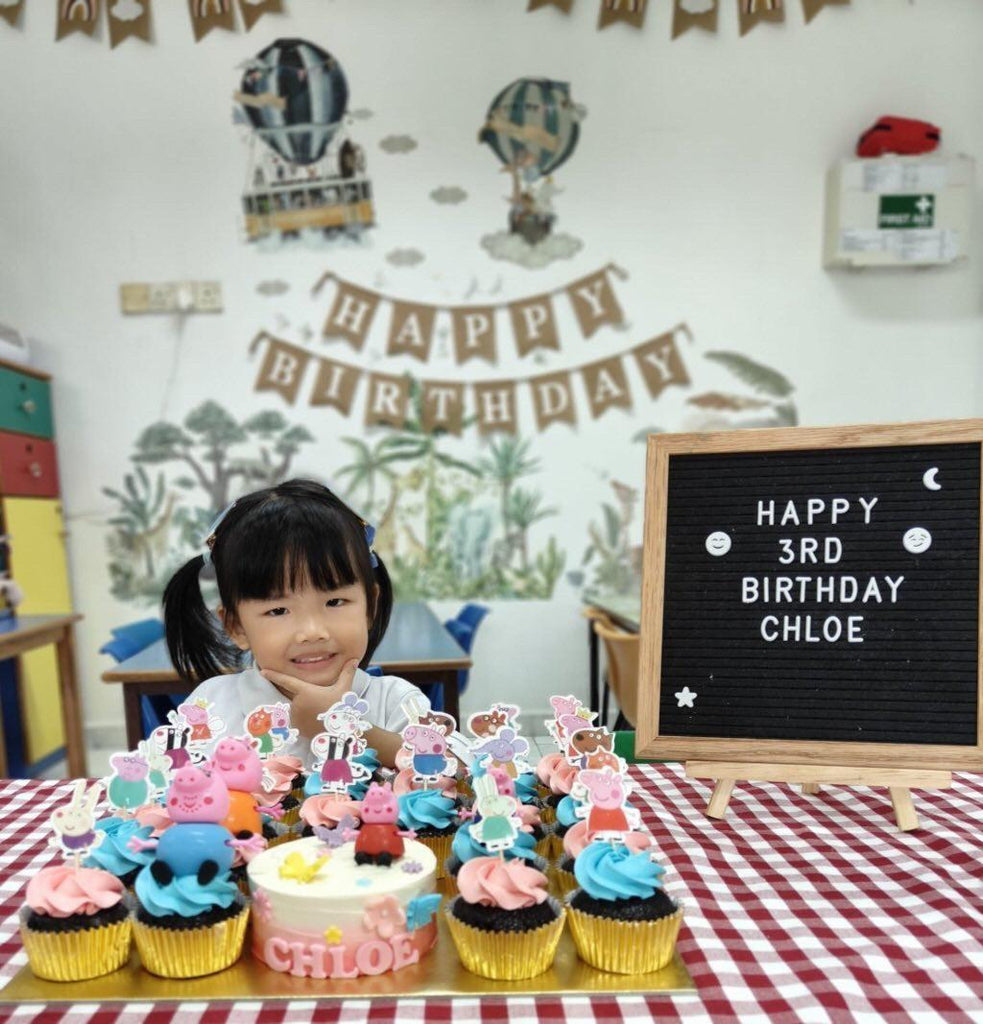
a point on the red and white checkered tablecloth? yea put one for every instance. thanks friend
(798, 908)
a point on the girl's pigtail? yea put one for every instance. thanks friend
(196, 643)
(381, 612)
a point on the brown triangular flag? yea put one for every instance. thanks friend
(594, 302)
(253, 10)
(443, 406)
(474, 333)
(282, 368)
(564, 5)
(11, 13)
(496, 407)
(810, 8)
(753, 12)
(128, 18)
(552, 399)
(411, 330)
(533, 325)
(351, 314)
(335, 385)
(630, 11)
(687, 14)
(209, 14)
(661, 364)
(388, 400)
(607, 385)
(77, 16)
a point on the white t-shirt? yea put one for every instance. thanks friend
(233, 697)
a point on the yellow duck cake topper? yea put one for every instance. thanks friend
(295, 866)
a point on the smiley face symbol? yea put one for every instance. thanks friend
(718, 543)
(917, 540)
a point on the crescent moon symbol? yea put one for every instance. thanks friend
(929, 479)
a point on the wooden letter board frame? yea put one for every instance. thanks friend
(900, 767)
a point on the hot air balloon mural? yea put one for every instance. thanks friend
(533, 127)
(307, 173)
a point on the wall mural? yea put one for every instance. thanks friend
(306, 174)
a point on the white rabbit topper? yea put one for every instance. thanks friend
(499, 824)
(74, 823)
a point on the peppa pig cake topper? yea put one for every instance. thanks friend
(568, 707)
(190, 731)
(269, 726)
(604, 804)
(74, 824)
(342, 740)
(425, 749)
(498, 823)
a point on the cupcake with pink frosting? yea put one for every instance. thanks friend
(575, 841)
(504, 923)
(562, 779)
(328, 810)
(280, 774)
(74, 923)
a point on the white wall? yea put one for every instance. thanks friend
(700, 170)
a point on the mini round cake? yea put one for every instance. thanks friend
(318, 914)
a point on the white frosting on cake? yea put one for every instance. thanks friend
(337, 895)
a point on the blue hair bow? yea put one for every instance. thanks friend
(369, 538)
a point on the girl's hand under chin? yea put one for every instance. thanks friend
(307, 700)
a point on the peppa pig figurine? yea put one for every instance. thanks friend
(608, 816)
(197, 844)
(378, 840)
(239, 765)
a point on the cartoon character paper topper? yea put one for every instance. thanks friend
(499, 825)
(341, 742)
(604, 794)
(203, 724)
(74, 824)
(566, 707)
(506, 750)
(590, 746)
(483, 724)
(425, 744)
(269, 725)
(187, 737)
(129, 786)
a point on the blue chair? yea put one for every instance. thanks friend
(471, 615)
(128, 640)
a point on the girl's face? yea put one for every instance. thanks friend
(309, 634)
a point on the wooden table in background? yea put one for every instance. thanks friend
(26, 633)
(416, 646)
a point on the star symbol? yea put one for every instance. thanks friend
(685, 697)
(332, 935)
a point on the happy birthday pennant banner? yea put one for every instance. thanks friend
(753, 12)
(285, 365)
(632, 12)
(211, 14)
(687, 14)
(474, 328)
(253, 10)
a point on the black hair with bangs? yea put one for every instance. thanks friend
(269, 542)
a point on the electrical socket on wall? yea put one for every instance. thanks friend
(172, 297)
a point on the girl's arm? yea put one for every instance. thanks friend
(386, 744)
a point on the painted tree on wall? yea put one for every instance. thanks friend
(204, 462)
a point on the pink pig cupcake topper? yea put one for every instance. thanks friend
(342, 741)
(425, 748)
(568, 707)
(604, 794)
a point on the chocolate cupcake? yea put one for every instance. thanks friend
(503, 923)
(433, 816)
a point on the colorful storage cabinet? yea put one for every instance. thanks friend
(32, 517)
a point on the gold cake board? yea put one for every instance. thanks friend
(439, 974)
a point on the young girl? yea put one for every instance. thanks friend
(303, 592)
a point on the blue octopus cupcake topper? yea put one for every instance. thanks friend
(74, 824)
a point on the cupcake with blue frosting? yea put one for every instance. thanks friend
(114, 855)
(433, 816)
(465, 848)
(621, 919)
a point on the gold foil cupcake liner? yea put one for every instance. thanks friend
(562, 882)
(544, 847)
(440, 846)
(547, 814)
(76, 955)
(291, 816)
(506, 956)
(624, 947)
(193, 952)
(283, 837)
